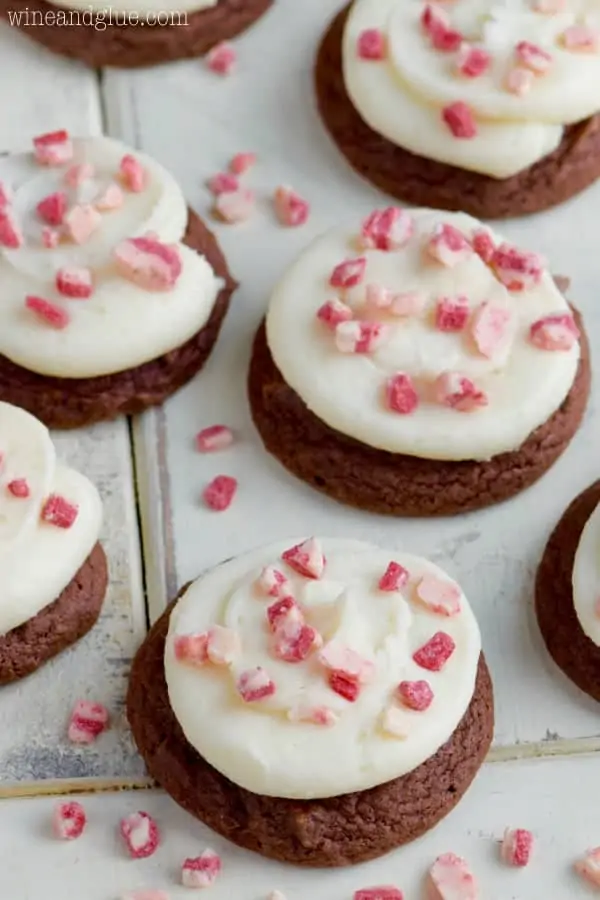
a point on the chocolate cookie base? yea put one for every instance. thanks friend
(75, 402)
(392, 483)
(129, 46)
(337, 831)
(568, 645)
(571, 168)
(59, 625)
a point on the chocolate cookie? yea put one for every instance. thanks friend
(130, 45)
(572, 167)
(64, 622)
(337, 831)
(569, 646)
(75, 402)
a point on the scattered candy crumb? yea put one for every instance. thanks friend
(140, 834)
(88, 721)
(451, 879)
(69, 820)
(517, 846)
(219, 494)
(213, 438)
(201, 871)
(290, 208)
(222, 59)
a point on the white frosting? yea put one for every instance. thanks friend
(525, 386)
(142, 7)
(402, 96)
(121, 325)
(255, 744)
(37, 559)
(586, 578)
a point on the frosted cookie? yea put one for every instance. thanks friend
(488, 107)
(317, 702)
(418, 365)
(113, 291)
(137, 32)
(567, 592)
(52, 569)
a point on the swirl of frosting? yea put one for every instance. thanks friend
(519, 120)
(586, 578)
(352, 710)
(121, 325)
(50, 519)
(436, 335)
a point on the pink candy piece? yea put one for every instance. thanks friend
(19, 488)
(451, 879)
(6, 196)
(48, 312)
(53, 149)
(416, 695)
(223, 183)
(88, 721)
(235, 206)
(386, 892)
(460, 120)
(434, 655)
(306, 558)
(451, 313)
(141, 835)
(371, 44)
(334, 312)
(558, 332)
(483, 244)
(348, 273)
(400, 394)
(387, 229)
(255, 684)
(581, 39)
(294, 644)
(489, 328)
(448, 245)
(219, 494)
(517, 846)
(436, 24)
(533, 57)
(473, 61)
(75, 283)
(110, 198)
(242, 162)
(50, 238)
(378, 297)
(191, 649)
(222, 59)
(215, 437)
(148, 263)
(441, 597)
(360, 337)
(459, 392)
(273, 583)
(69, 820)
(519, 80)
(290, 208)
(59, 512)
(409, 303)
(315, 715)
(223, 645)
(282, 609)
(518, 270)
(337, 658)
(589, 867)
(10, 233)
(52, 208)
(76, 175)
(201, 871)
(80, 223)
(132, 173)
(394, 578)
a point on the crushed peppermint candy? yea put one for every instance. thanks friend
(519, 80)
(223, 183)
(191, 649)
(483, 244)
(6, 196)
(110, 198)
(516, 269)
(306, 559)
(213, 438)
(50, 238)
(589, 866)
(517, 846)
(400, 394)
(533, 57)
(394, 578)
(337, 657)
(219, 493)
(295, 641)
(242, 162)
(451, 879)
(314, 715)
(333, 312)
(472, 61)
(371, 45)
(360, 336)
(78, 174)
(284, 608)
(223, 645)
(441, 597)
(460, 120)
(53, 149)
(148, 263)
(378, 297)
(415, 695)
(222, 59)
(80, 222)
(348, 273)
(59, 512)
(436, 25)
(68, 820)
(344, 684)
(448, 246)
(75, 283)
(254, 685)
(490, 327)
(387, 229)
(235, 206)
(458, 392)
(11, 236)
(48, 312)
(386, 892)
(581, 39)
(52, 208)
(273, 583)
(452, 313)
(88, 721)
(19, 487)
(557, 332)
(434, 655)
(140, 834)
(201, 871)
(132, 173)
(290, 208)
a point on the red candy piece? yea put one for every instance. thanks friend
(581, 39)
(223, 645)
(69, 820)
(110, 198)
(516, 269)
(483, 244)
(201, 871)
(533, 57)
(255, 684)
(290, 208)
(133, 175)
(59, 512)
(222, 59)
(48, 312)
(10, 233)
(401, 395)
(451, 313)
(88, 721)
(348, 273)
(371, 45)
(460, 120)
(387, 229)
(241, 162)
(80, 223)
(386, 892)
(394, 578)
(223, 183)
(344, 684)
(281, 609)
(334, 312)
(52, 208)
(306, 558)
(434, 655)
(589, 867)
(517, 846)
(215, 437)
(295, 644)
(459, 392)
(141, 835)
(473, 61)
(436, 24)
(273, 583)
(191, 649)
(441, 597)
(448, 245)
(219, 494)
(148, 263)
(451, 879)
(558, 332)
(416, 695)
(360, 337)
(50, 238)
(6, 196)
(76, 175)
(316, 715)
(18, 487)
(235, 206)
(346, 663)
(489, 328)
(53, 149)
(75, 283)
